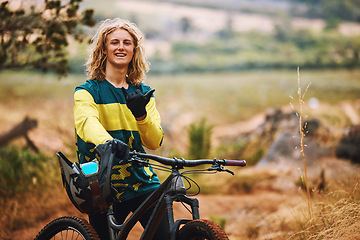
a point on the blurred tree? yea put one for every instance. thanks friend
(36, 36)
(283, 30)
(228, 31)
(333, 10)
(185, 24)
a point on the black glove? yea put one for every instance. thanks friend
(120, 149)
(137, 102)
(107, 152)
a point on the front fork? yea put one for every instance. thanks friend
(174, 226)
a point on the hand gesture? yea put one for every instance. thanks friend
(137, 102)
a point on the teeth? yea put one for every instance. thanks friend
(120, 55)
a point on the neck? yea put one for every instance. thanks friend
(116, 76)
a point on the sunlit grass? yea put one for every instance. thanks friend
(30, 85)
(231, 97)
(336, 215)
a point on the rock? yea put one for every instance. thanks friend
(349, 145)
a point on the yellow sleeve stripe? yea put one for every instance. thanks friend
(86, 118)
(111, 113)
(93, 121)
(112, 116)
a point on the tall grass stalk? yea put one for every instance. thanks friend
(302, 134)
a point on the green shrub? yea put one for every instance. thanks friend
(256, 157)
(219, 220)
(199, 140)
(20, 169)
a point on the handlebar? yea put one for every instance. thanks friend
(175, 162)
(239, 163)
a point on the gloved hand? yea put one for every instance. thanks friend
(137, 102)
(120, 149)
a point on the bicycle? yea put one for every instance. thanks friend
(172, 189)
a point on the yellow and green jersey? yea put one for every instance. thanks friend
(101, 114)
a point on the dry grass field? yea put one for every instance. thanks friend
(256, 203)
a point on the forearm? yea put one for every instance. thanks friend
(151, 134)
(90, 130)
(149, 128)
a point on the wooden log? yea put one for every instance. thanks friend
(19, 130)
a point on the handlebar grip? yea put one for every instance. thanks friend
(240, 163)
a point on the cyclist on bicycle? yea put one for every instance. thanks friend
(115, 104)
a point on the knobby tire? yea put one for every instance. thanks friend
(68, 228)
(202, 229)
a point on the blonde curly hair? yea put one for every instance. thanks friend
(96, 63)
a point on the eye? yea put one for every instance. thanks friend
(113, 42)
(127, 42)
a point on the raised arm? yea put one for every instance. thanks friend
(150, 129)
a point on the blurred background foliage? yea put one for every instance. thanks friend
(43, 34)
(35, 34)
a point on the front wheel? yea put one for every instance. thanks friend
(202, 229)
(68, 228)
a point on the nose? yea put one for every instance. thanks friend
(121, 45)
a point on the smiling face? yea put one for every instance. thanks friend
(119, 48)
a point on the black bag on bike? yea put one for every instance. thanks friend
(88, 185)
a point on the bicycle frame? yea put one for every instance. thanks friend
(160, 201)
(163, 198)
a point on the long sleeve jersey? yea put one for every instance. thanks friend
(101, 114)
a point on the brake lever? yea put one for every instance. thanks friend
(138, 162)
(219, 168)
(229, 171)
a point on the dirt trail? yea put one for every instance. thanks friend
(210, 205)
